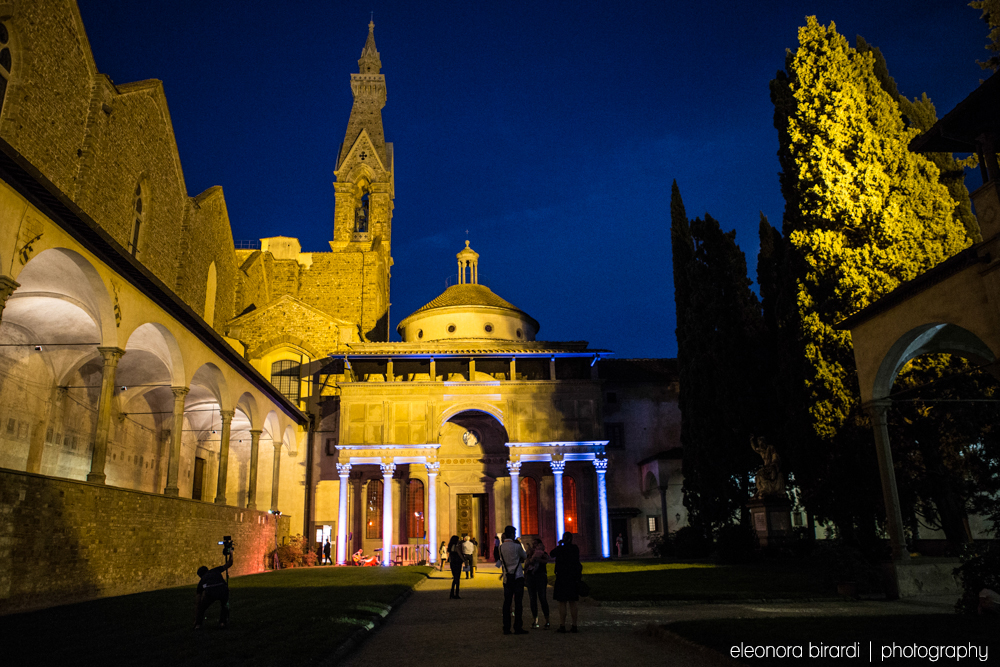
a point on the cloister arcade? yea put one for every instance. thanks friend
(100, 382)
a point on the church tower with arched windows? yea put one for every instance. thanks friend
(364, 190)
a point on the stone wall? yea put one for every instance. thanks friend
(64, 541)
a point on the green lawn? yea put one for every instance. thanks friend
(296, 616)
(636, 580)
(882, 631)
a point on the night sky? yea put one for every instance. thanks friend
(550, 131)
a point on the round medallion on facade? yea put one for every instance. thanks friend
(470, 438)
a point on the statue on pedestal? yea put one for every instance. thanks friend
(769, 479)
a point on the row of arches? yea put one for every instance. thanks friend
(97, 383)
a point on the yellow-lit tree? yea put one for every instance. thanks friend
(862, 215)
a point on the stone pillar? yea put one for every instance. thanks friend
(601, 466)
(344, 471)
(7, 287)
(472, 369)
(432, 372)
(252, 486)
(275, 474)
(894, 520)
(515, 495)
(513, 369)
(387, 471)
(557, 473)
(227, 421)
(552, 376)
(111, 356)
(432, 511)
(390, 375)
(174, 464)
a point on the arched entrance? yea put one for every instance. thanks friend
(474, 453)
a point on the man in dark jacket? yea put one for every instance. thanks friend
(511, 561)
(212, 587)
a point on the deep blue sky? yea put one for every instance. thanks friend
(551, 131)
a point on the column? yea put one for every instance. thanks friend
(174, 463)
(894, 520)
(275, 476)
(472, 369)
(552, 372)
(7, 287)
(601, 466)
(557, 472)
(513, 369)
(344, 470)
(252, 486)
(111, 356)
(387, 471)
(432, 510)
(514, 467)
(390, 375)
(432, 372)
(227, 421)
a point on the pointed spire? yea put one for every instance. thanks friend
(370, 62)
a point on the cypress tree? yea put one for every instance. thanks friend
(862, 215)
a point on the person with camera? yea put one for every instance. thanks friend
(511, 560)
(213, 587)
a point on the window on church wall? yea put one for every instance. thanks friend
(285, 378)
(570, 517)
(362, 215)
(373, 510)
(138, 218)
(529, 506)
(5, 61)
(415, 508)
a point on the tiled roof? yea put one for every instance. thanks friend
(468, 295)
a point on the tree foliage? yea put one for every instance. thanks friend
(862, 215)
(718, 334)
(991, 17)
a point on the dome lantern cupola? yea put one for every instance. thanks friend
(468, 259)
(467, 311)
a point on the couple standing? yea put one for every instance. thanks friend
(512, 559)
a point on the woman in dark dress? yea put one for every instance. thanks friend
(455, 560)
(568, 570)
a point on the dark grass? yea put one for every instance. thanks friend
(653, 580)
(909, 629)
(297, 616)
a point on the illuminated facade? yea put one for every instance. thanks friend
(141, 350)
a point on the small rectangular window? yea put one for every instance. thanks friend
(331, 447)
(199, 477)
(48, 434)
(11, 426)
(652, 524)
(797, 519)
(615, 433)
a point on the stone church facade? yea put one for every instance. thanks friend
(146, 362)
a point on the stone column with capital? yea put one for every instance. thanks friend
(557, 473)
(894, 516)
(252, 486)
(275, 476)
(111, 355)
(7, 287)
(388, 469)
(227, 421)
(174, 465)
(514, 467)
(601, 466)
(344, 471)
(432, 472)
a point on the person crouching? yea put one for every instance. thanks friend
(212, 588)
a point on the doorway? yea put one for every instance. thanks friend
(473, 519)
(619, 527)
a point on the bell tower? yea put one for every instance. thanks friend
(362, 221)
